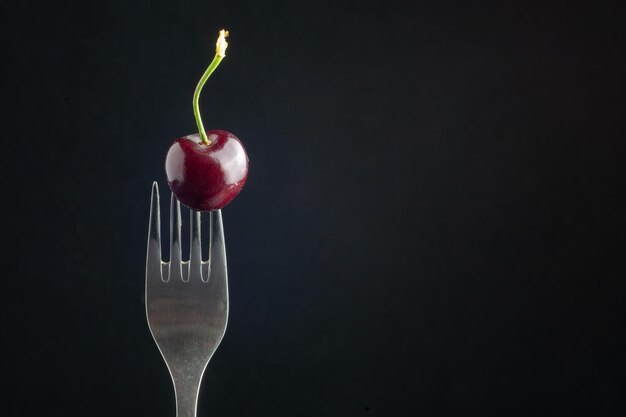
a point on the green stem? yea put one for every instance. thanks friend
(196, 96)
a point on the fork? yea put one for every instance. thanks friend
(186, 301)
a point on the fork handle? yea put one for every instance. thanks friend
(186, 389)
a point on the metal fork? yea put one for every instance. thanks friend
(186, 302)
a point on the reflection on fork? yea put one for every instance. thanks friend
(186, 301)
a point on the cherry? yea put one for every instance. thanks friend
(206, 177)
(208, 169)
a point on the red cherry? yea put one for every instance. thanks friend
(206, 177)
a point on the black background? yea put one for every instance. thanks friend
(434, 222)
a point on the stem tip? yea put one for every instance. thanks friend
(221, 45)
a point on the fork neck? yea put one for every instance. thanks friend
(187, 390)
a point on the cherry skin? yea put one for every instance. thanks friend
(206, 177)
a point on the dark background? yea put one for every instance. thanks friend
(434, 222)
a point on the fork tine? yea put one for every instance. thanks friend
(195, 253)
(217, 247)
(153, 257)
(175, 268)
(217, 287)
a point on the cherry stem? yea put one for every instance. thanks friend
(219, 55)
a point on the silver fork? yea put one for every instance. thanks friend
(186, 302)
